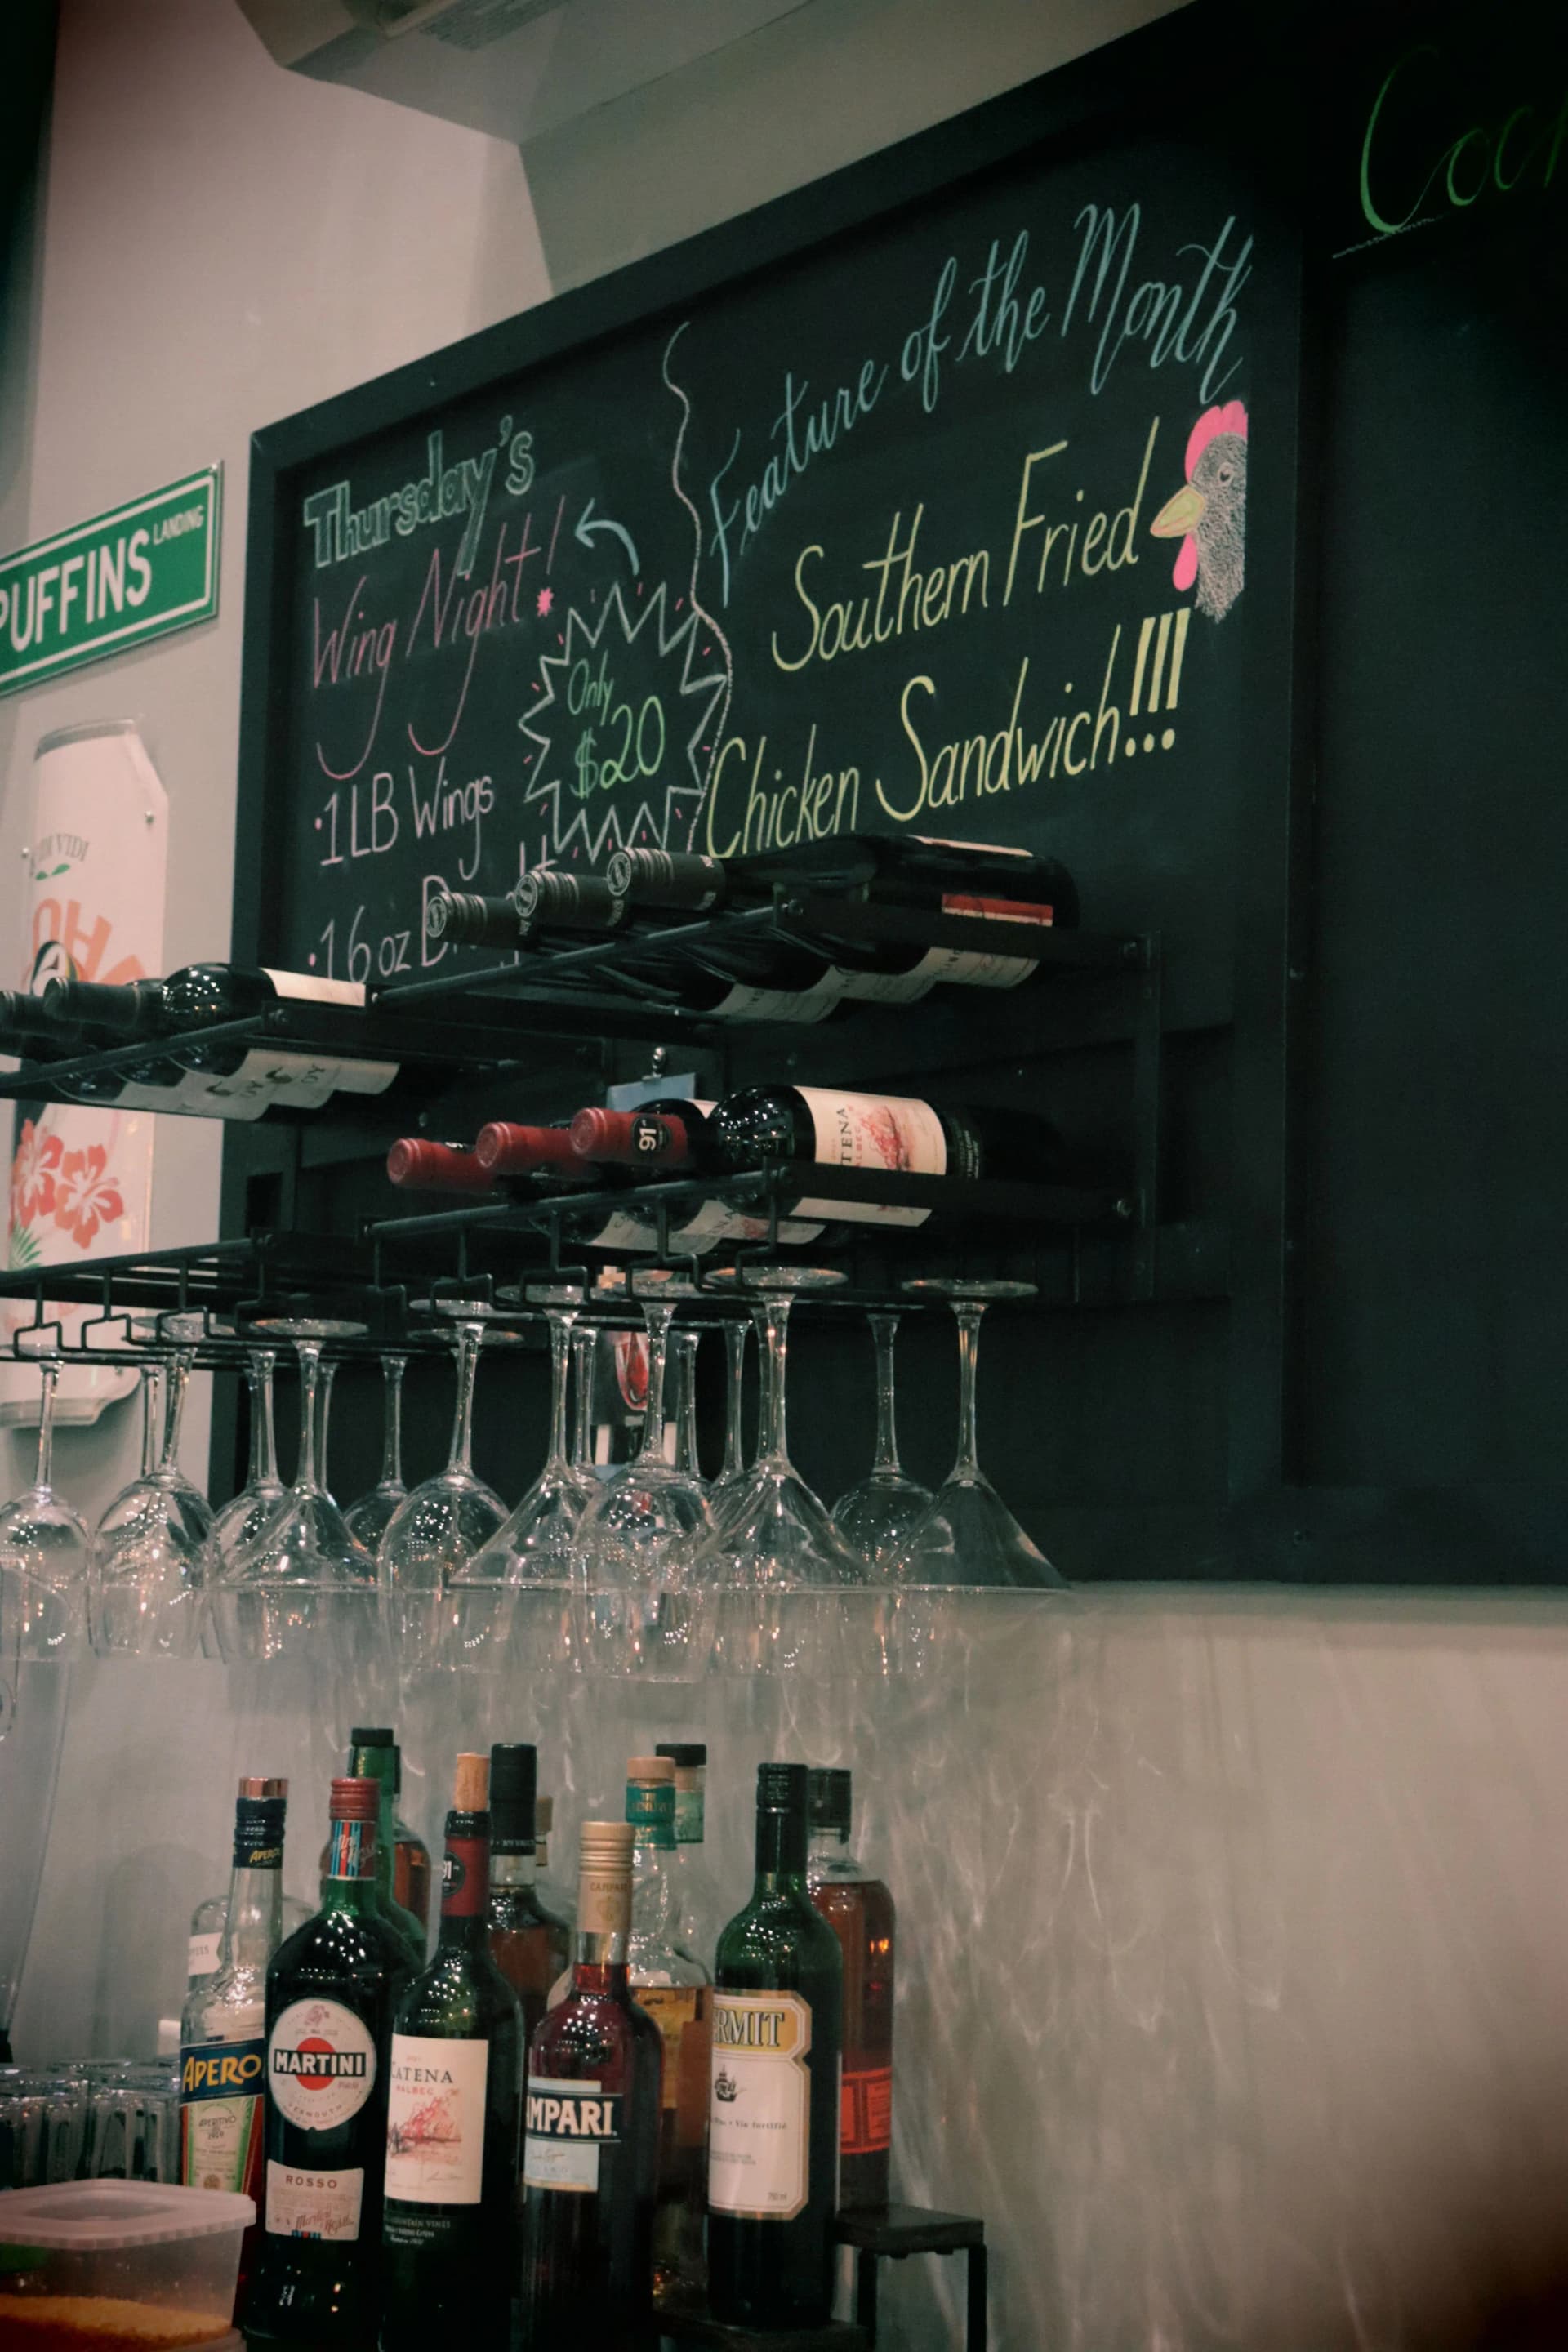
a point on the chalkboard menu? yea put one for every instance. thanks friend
(939, 523)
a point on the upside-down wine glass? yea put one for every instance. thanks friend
(153, 1561)
(734, 1470)
(516, 1594)
(247, 1513)
(302, 1585)
(876, 1515)
(367, 1518)
(683, 1351)
(779, 1563)
(584, 1351)
(44, 1550)
(644, 1607)
(966, 1535)
(441, 1523)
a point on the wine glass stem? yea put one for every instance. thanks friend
(310, 1354)
(329, 1374)
(175, 1404)
(392, 1371)
(263, 1435)
(560, 1349)
(735, 1338)
(583, 1442)
(883, 1331)
(51, 1373)
(969, 1312)
(772, 1327)
(469, 1338)
(657, 1315)
(686, 1460)
(152, 1397)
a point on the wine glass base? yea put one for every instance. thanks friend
(969, 1537)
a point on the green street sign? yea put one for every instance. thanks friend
(136, 572)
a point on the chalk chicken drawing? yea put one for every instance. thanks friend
(1209, 514)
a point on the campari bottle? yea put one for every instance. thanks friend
(589, 2161)
(331, 1992)
(773, 2124)
(452, 2115)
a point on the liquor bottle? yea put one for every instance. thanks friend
(373, 1755)
(223, 2037)
(589, 2161)
(700, 1908)
(530, 1944)
(762, 1126)
(773, 2126)
(555, 1897)
(453, 2110)
(859, 1910)
(333, 1990)
(243, 1080)
(672, 1985)
(205, 1940)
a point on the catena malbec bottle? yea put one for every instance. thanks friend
(331, 1992)
(859, 1910)
(452, 2115)
(223, 2036)
(773, 2124)
(898, 1134)
(529, 1943)
(589, 2150)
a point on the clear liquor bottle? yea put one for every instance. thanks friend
(591, 2132)
(555, 1895)
(530, 1944)
(333, 1990)
(205, 1940)
(773, 2126)
(671, 1983)
(700, 1912)
(223, 2035)
(453, 2111)
(859, 1910)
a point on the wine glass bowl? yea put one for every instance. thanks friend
(441, 1525)
(153, 1561)
(244, 1516)
(966, 1535)
(43, 1553)
(302, 1585)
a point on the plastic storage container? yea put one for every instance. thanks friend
(119, 2266)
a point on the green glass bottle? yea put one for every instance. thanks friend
(373, 1755)
(453, 2116)
(772, 2154)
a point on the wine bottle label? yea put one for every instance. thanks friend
(436, 2120)
(980, 848)
(308, 987)
(222, 2113)
(303, 2203)
(321, 2064)
(892, 987)
(713, 1224)
(201, 1955)
(865, 2111)
(674, 2009)
(565, 2125)
(962, 968)
(759, 2115)
(782, 1004)
(464, 1877)
(873, 1131)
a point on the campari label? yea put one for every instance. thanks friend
(564, 2128)
(436, 2120)
(759, 2115)
(321, 2064)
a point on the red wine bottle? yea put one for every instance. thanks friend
(763, 1125)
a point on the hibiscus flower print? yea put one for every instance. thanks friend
(33, 1171)
(85, 1196)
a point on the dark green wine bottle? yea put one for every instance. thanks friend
(452, 2113)
(772, 2161)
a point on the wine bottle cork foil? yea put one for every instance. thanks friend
(604, 1878)
(649, 1768)
(471, 1785)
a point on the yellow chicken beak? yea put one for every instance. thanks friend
(1179, 515)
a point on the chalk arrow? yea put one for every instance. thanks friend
(588, 526)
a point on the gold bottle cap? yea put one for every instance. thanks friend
(604, 1878)
(471, 1785)
(251, 1787)
(649, 1768)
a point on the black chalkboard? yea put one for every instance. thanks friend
(890, 534)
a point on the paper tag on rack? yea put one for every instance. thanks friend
(81, 1178)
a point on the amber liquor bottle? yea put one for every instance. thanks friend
(859, 1910)
(529, 1943)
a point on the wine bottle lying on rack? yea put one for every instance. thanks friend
(43, 1035)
